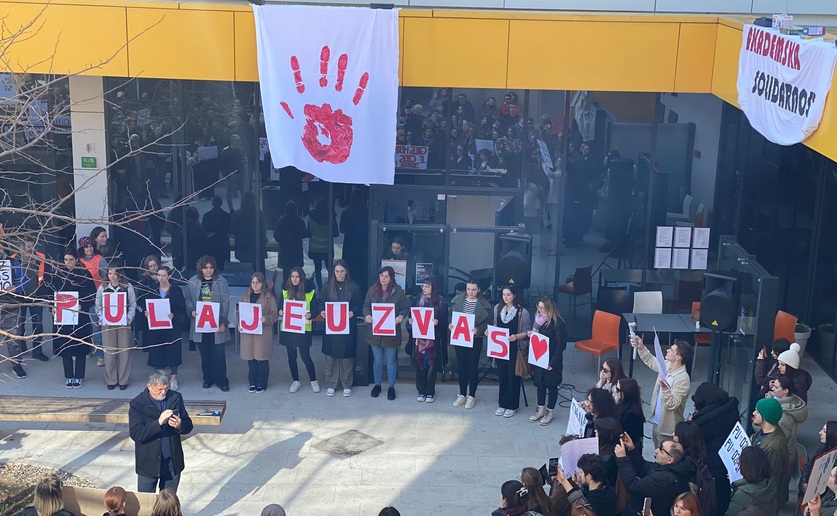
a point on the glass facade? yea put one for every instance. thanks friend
(36, 159)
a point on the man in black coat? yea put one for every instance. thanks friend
(662, 480)
(156, 420)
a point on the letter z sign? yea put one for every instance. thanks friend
(383, 319)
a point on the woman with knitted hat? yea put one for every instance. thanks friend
(771, 439)
(767, 365)
(789, 366)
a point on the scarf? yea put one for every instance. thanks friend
(507, 314)
(425, 348)
(540, 319)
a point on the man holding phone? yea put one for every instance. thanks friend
(157, 418)
(662, 480)
(589, 485)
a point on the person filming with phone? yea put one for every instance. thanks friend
(157, 419)
(662, 480)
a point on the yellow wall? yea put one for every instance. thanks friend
(473, 48)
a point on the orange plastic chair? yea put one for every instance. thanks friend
(605, 337)
(784, 326)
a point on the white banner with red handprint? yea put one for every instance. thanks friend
(329, 83)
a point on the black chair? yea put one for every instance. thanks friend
(579, 284)
(617, 301)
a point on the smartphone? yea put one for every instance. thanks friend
(544, 475)
(175, 412)
(553, 466)
(646, 506)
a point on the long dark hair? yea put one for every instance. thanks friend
(690, 437)
(617, 372)
(332, 282)
(516, 302)
(533, 482)
(830, 437)
(603, 404)
(608, 431)
(377, 288)
(298, 292)
(631, 397)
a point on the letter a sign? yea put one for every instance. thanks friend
(209, 317)
(462, 333)
(250, 318)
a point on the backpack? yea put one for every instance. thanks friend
(704, 489)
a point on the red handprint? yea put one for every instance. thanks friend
(321, 121)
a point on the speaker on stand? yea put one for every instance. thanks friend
(719, 312)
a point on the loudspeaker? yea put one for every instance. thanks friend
(719, 302)
(515, 263)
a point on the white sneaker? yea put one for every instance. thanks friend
(294, 387)
(429, 399)
(500, 411)
(315, 386)
(347, 392)
(173, 385)
(508, 413)
(421, 398)
(470, 401)
(69, 383)
(329, 392)
(459, 401)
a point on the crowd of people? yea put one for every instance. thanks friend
(687, 475)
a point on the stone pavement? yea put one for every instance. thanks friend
(271, 447)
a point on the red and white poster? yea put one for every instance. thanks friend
(294, 320)
(423, 327)
(208, 319)
(114, 309)
(462, 330)
(783, 82)
(411, 156)
(539, 350)
(329, 81)
(250, 318)
(158, 311)
(337, 318)
(383, 319)
(497, 345)
(66, 308)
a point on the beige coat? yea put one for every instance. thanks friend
(260, 347)
(674, 399)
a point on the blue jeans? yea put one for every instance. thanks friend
(378, 355)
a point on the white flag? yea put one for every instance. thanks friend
(329, 81)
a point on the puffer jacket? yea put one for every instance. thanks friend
(761, 494)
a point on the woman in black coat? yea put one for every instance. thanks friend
(716, 413)
(72, 342)
(164, 346)
(630, 410)
(289, 233)
(340, 350)
(548, 322)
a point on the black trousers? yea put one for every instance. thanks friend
(305, 353)
(468, 360)
(426, 380)
(213, 360)
(76, 371)
(258, 372)
(509, 382)
(553, 396)
(36, 314)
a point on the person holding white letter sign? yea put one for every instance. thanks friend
(469, 304)
(163, 338)
(116, 304)
(427, 318)
(384, 309)
(257, 349)
(295, 312)
(511, 315)
(549, 324)
(343, 302)
(211, 289)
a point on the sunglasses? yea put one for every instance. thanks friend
(664, 450)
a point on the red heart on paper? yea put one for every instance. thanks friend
(539, 346)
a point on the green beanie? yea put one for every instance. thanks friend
(770, 410)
